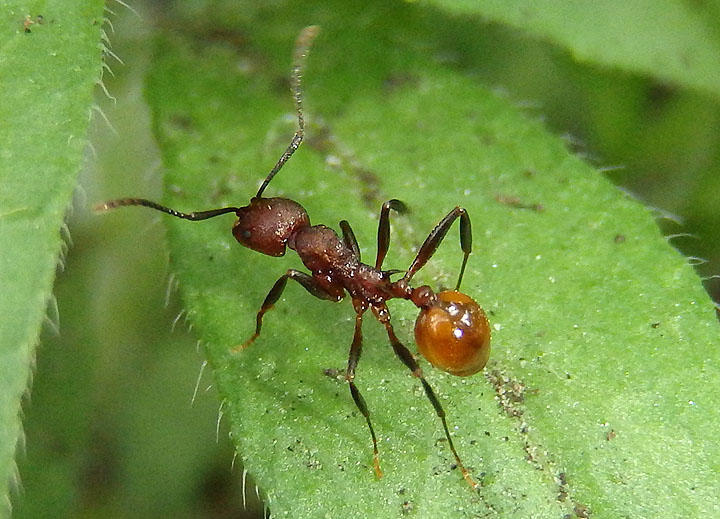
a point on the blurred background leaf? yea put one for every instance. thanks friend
(673, 41)
(50, 62)
(89, 420)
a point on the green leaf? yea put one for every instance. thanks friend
(675, 41)
(48, 76)
(603, 383)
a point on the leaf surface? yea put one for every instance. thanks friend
(603, 380)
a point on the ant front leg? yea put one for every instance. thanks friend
(353, 359)
(349, 238)
(436, 236)
(404, 354)
(308, 282)
(383, 236)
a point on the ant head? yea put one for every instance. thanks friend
(453, 334)
(266, 224)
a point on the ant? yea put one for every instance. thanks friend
(451, 331)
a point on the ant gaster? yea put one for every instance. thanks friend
(451, 330)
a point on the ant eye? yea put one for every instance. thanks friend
(454, 334)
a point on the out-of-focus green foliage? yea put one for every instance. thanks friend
(673, 40)
(49, 64)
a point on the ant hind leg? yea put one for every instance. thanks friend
(353, 359)
(409, 360)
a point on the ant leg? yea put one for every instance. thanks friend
(349, 238)
(383, 236)
(355, 350)
(436, 236)
(302, 48)
(308, 282)
(383, 315)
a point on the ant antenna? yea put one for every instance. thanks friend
(195, 216)
(302, 48)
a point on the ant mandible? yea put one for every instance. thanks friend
(451, 331)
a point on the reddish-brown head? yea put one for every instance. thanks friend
(453, 334)
(267, 223)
